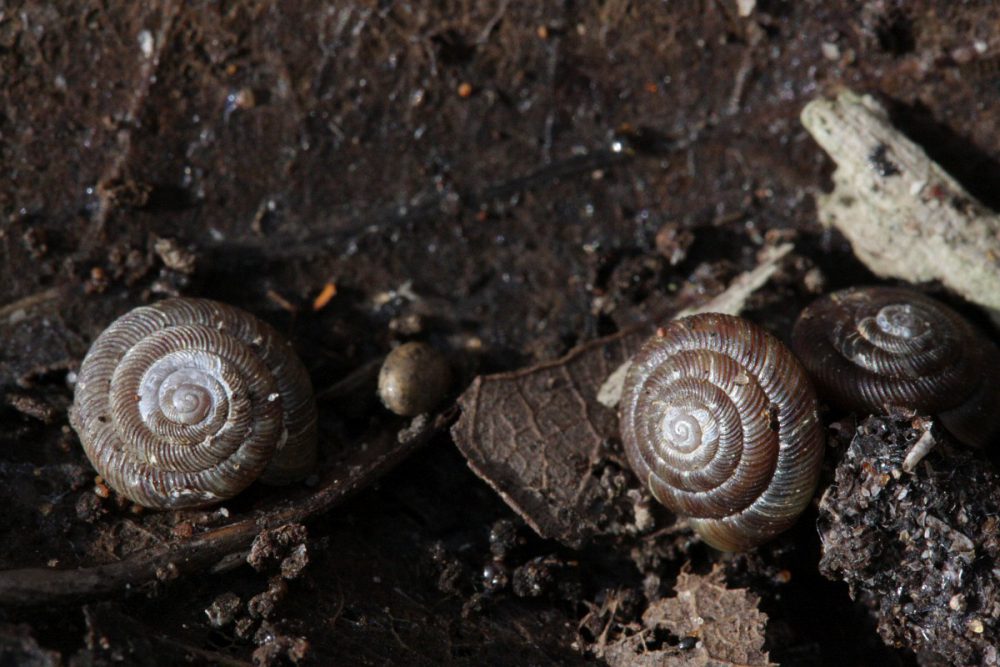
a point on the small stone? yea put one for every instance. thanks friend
(183, 530)
(414, 379)
(223, 610)
(673, 243)
(503, 537)
(244, 627)
(175, 257)
(88, 507)
(814, 280)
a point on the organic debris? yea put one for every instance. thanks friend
(920, 549)
(706, 624)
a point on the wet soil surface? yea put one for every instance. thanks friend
(503, 180)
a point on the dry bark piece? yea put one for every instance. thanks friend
(917, 548)
(903, 214)
(725, 624)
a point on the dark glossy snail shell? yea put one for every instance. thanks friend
(719, 419)
(870, 349)
(186, 402)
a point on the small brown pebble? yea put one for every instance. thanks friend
(88, 507)
(294, 563)
(673, 243)
(814, 280)
(183, 530)
(34, 242)
(263, 605)
(464, 89)
(223, 610)
(244, 627)
(414, 379)
(97, 282)
(407, 325)
(174, 256)
(535, 577)
(542, 32)
(271, 547)
(102, 491)
(167, 572)
(243, 98)
(278, 649)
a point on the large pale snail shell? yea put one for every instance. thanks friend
(186, 402)
(874, 348)
(719, 420)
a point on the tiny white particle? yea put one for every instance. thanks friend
(273, 397)
(146, 43)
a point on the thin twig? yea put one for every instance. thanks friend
(34, 586)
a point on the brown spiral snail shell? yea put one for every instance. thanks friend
(719, 419)
(873, 348)
(187, 401)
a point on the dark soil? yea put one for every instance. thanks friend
(504, 180)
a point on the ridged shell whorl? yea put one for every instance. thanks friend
(719, 419)
(874, 348)
(186, 402)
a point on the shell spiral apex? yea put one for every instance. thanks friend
(186, 402)
(874, 348)
(719, 419)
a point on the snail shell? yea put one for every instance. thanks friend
(719, 419)
(413, 379)
(186, 402)
(874, 348)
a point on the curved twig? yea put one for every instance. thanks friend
(33, 586)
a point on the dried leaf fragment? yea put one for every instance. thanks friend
(726, 624)
(536, 436)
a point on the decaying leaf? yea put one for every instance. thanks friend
(539, 435)
(712, 625)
